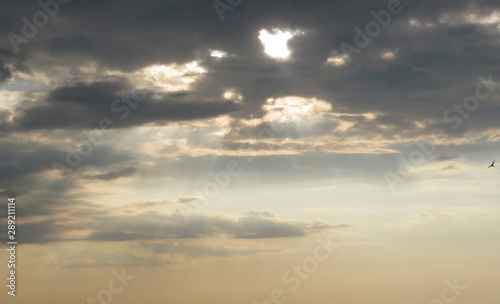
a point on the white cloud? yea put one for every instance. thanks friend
(338, 60)
(218, 54)
(295, 109)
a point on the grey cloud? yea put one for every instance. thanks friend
(188, 199)
(258, 227)
(96, 93)
(84, 105)
(445, 157)
(5, 73)
(151, 226)
(177, 32)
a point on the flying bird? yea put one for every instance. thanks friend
(492, 164)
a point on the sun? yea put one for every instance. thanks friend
(275, 42)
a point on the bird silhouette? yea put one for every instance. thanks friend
(492, 164)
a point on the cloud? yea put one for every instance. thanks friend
(23, 161)
(111, 175)
(339, 120)
(261, 226)
(152, 203)
(188, 199)
(5, 73)
(418, 74)
(445, 157)
(84, 105)
(154, 226)
(63, 218)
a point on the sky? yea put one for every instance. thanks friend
(254, 152)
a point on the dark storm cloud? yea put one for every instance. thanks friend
(96, 93)
(84, 105)
(433, 67)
